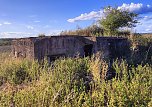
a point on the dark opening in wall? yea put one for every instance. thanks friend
(88, 50)
(52, 58)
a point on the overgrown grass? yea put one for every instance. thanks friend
(76, 82)
(142, 49)
(92, 30)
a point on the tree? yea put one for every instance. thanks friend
(116, 19)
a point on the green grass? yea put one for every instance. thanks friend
(73, 83)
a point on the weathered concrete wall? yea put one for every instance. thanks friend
(23, 48)
(69, 46)
(102, 47)
(118, 48)
(113, 47)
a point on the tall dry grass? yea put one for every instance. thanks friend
(73, 83)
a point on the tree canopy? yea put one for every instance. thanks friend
(115, 19)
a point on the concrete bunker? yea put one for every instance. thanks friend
(53, 47)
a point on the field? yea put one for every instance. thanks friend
(5, 49)
(77, 82)
(5, 45)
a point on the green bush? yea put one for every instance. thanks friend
(19, 72)
(74, 82)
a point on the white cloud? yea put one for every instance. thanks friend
(147, 30)
(11, 33)
(30, 27)
(0, 24)
(137, 8)
(7, 23)
(150, 26)
(147, 18)
(145, 25)
(14, 34)
(144, 19)
(87, 16)
(54, 32)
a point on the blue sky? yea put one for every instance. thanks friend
(22, 18)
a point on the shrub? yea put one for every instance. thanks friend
(74, 82)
